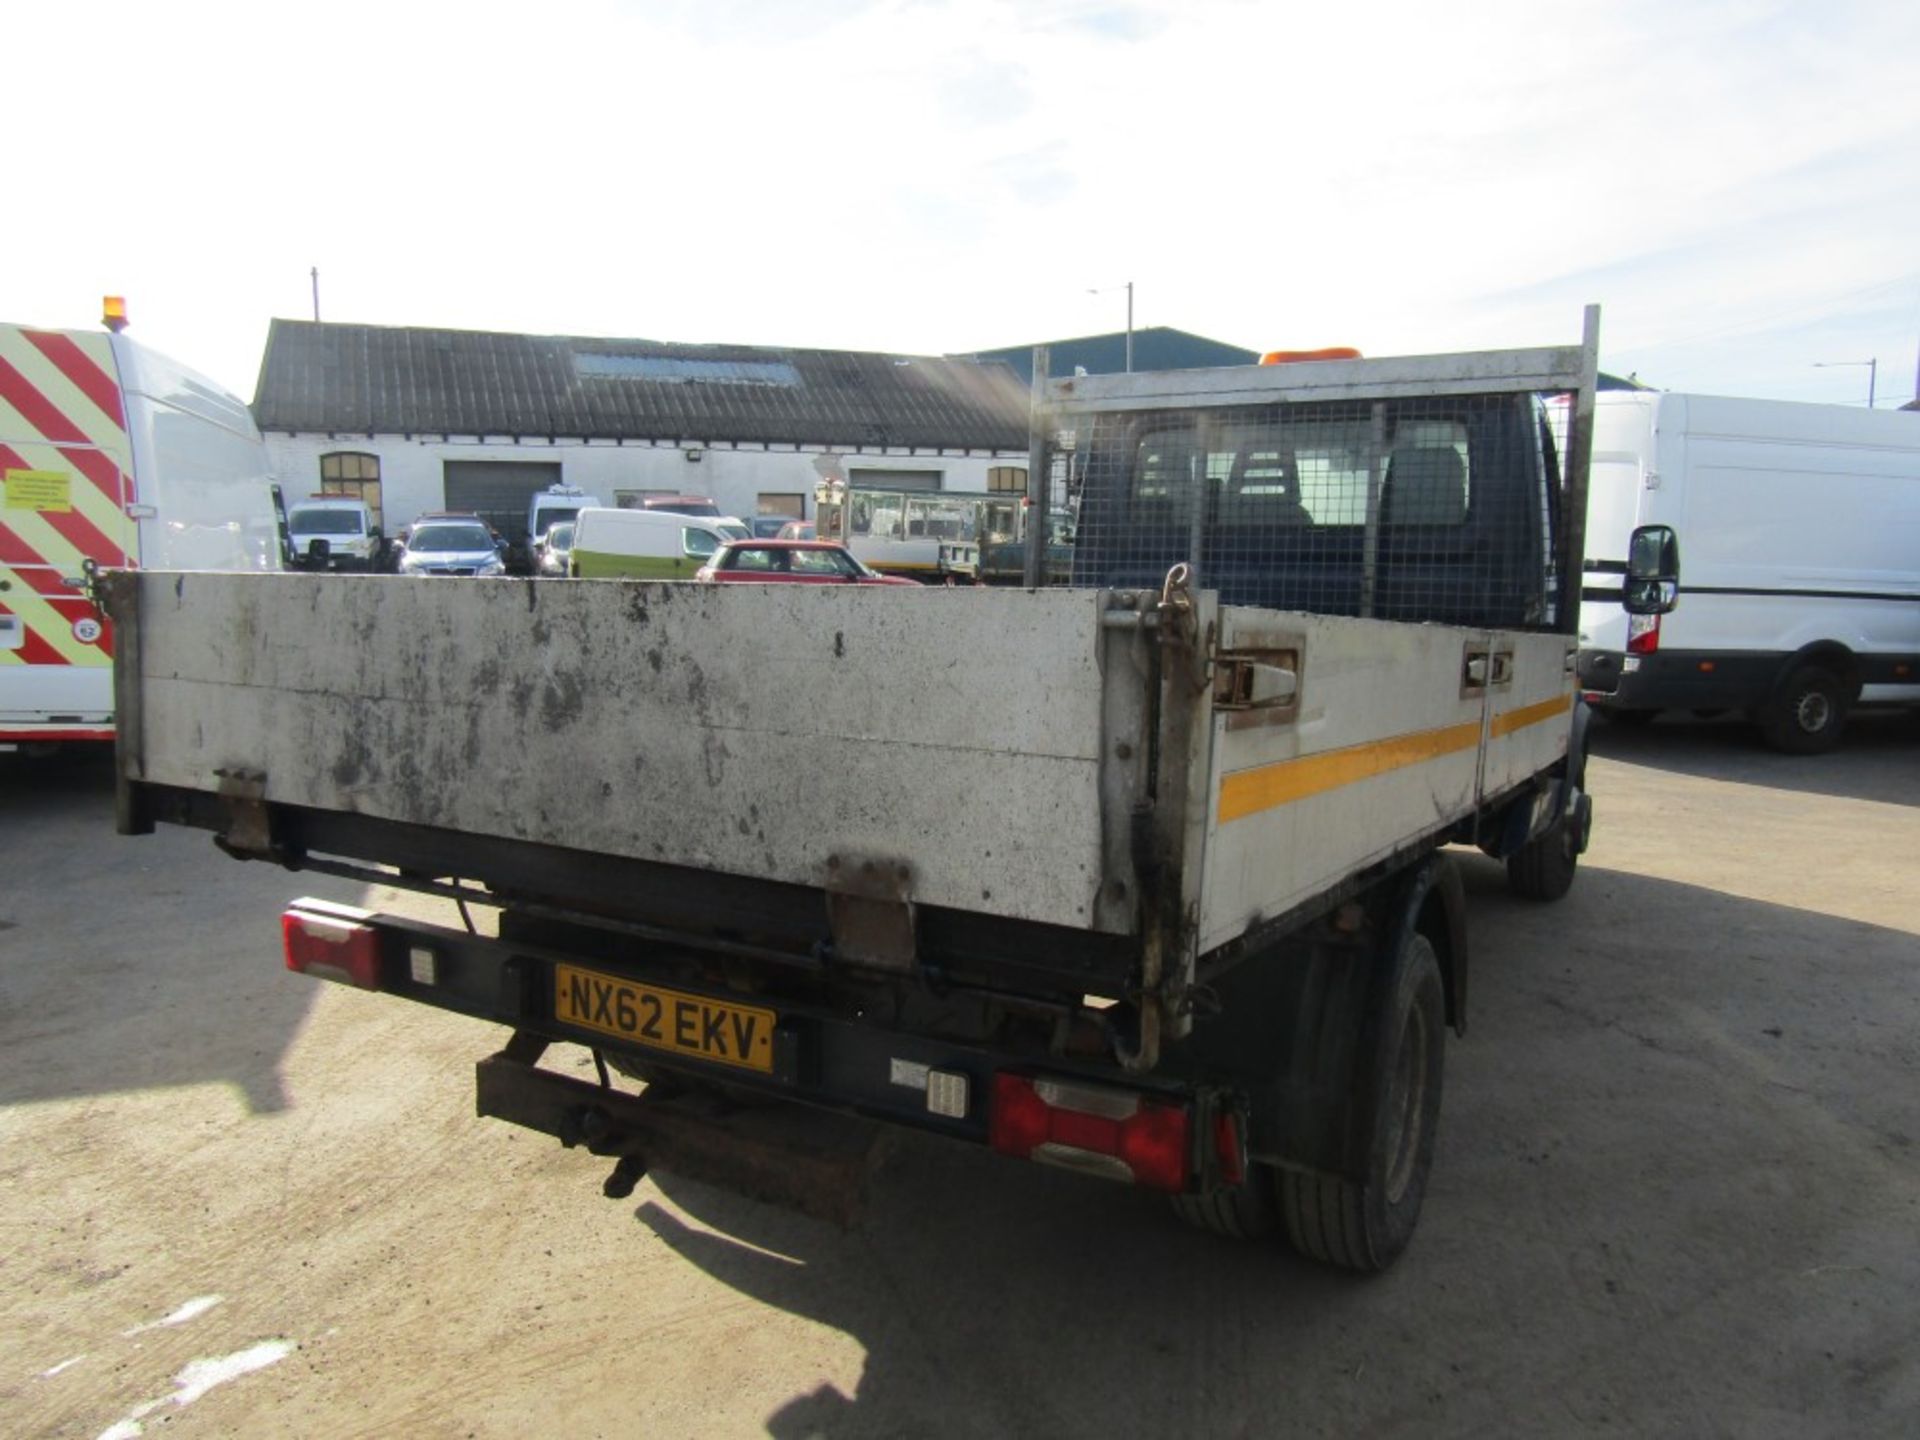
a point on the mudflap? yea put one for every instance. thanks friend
(804, 1159)
(1297, 1028)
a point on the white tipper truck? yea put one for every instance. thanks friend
(1144, 876)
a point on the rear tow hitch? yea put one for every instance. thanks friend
(813, 1161)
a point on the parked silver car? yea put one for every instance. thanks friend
(551, 550)
(451, 545)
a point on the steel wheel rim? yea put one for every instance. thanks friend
(1406, 1099)
(1813, 711)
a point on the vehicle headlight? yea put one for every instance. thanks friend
(491, 567)
(409, 564)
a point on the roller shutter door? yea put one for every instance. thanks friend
(498, 491)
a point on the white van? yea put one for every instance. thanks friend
(1798, 538)
(552, 506)
(110, 456)
(641, 544)
(331, 532)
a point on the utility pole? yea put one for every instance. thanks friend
(316, 294)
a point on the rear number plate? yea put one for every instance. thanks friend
(692, 1025)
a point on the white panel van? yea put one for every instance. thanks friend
(641, 544)
(1798, 530)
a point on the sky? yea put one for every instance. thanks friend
(1735, 182)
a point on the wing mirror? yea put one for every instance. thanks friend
(1653, 571)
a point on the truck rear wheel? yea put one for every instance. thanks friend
(1807, 714)
(1364, 1225)
(1543, 868)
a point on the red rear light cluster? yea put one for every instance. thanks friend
(332, 942)
(1643, 634)
(1097, 1129)
(1229, 1148)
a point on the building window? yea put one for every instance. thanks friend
(878, 479)
(1007, 477)
(354, 473)
(794, 507)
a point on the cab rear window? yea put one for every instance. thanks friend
(1312, 473)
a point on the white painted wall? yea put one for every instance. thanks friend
(411, 474)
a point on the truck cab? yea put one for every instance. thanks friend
(1437, 510)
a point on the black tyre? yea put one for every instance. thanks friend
(1364, 1225)
(1807, 714)
(1249, 1212)
(1543, 868)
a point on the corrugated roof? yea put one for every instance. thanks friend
(378, 379)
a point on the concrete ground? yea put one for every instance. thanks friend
(1677, 1189)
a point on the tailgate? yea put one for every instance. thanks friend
(779, 732)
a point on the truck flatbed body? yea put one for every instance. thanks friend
(1139, 875)
(790, 737)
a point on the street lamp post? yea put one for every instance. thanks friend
(1873, 372)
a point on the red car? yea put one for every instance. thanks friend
(806, 562)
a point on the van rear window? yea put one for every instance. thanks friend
(325, 522)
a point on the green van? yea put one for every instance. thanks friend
(613, 544)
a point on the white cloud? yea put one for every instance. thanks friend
(940, 176)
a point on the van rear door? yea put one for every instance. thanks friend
(66, 471)
(1622, 461)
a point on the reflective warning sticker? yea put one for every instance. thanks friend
(48, 491)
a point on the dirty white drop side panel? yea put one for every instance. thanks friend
(751, 729)
(1533, 714)
(1385, 746)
